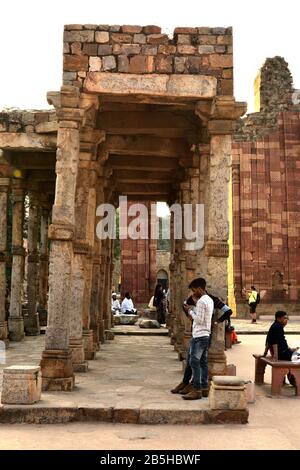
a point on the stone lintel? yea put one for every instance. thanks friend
(27, 141)
(217, 249)
(188, 87)
(61, 232)
(220, 126)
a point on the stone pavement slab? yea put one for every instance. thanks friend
(245, 327)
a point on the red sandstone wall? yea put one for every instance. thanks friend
(266, 211)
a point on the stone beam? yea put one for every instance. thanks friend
(132, 176)
(178, 87)
(143, 189)
(25, 141)
(40, 175)
(145, 145)
(150, 163)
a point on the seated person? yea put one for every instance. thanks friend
(276, 336)
(115, 304)
(127, 305)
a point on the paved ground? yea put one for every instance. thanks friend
(273, 423)
(262, 326)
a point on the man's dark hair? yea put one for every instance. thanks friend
(199, 282)
(280, 314)
(127, 295)
(253, 288)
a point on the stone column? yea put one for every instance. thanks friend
(76, 308)
(220, 127)
(15, 321)
(4, 186)
(43, 267)
(56, 363)
(33, 325)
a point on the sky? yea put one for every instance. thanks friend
(31, 35)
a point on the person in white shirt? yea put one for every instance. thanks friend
(115, 304)
(197, 358)
(127, 305)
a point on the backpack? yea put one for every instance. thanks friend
(257, 298)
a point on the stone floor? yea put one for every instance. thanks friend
(130, 381)
(262, 326)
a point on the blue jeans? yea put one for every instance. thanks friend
(197, 363)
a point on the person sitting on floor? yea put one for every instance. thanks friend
(115, 304)
(127, 305)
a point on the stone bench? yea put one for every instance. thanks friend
(125, 319)
(279, 370)
(21, 385)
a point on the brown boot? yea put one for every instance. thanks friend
(205, 392)
(179, 387)
(193, 395)
(186, 389)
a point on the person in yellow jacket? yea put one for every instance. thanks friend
(253, 300)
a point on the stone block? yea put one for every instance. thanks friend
(90, 49)
(124, 319)
(101, 37)
(149, 50)
(94, 64)
(157, 39)
(227, 393)
(21, 385)
(218, 60)
(79, 36)
(121, 38)
(250, 391)
(139, 38)
(75, 62)
(163, 64)
(183, 39)
(186, 50)
(206, 49)
(131, 29)
(109, 62)
(123, 63)
(150, 29)
(148, 323)
(231, 369)
(104, 49)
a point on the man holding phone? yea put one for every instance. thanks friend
(197, 359)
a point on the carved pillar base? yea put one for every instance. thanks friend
(57, 370)
(33, 326)
(78, 356)
(16, 328)
(88, 344)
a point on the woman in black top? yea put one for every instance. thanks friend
(159, 303)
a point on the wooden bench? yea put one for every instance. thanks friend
(279, 370)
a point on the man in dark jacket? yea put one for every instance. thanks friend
(276, 336)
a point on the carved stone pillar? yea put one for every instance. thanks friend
(76, 308)
(220, 127)
(43, 267)
(15, 321)
(4, 186)
(56, 363)
(33, 325)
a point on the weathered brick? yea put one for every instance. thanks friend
(164, 64)
(69, 76)
(218, 60)
(81, 74)
(166, 49)
(183, 39)
(138, 64)
(79, 36)
(131, 29)
(90, 49)
(121, 38)
(123, 63)
(224, 40)
(90, 26)
(157, 39)
(226, 87)
(229, 49)
(114, 28)
(185, 30)
(102, 37)
(76, 48)
(108, 62)
(75, 62)
(227, 73)
(184, 50)
(207, 39)
(69, 27)
(95, 64)
(103, 27)
(150, 29)
(206, 49)
(149, 50)
(219, 30)
(130, 49)
(193, 64)
(220, 49)
(139, 38)
(66, 49)
(204, 30)
(105, 50)
(179, 64)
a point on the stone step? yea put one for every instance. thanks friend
(39, 414)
